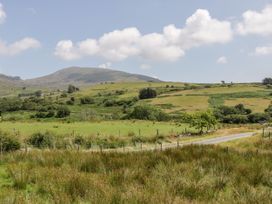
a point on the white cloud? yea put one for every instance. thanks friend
(222, 60)
(265, 50)
(18, 46)
(202, 29)
(256, 22)
(145, 66)
(170, 45)
(119, 44)
(2, 14)
(106, 65)
(156, 47)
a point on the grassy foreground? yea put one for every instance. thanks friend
(205, 174)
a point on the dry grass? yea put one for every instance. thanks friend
(194, 174)
(182, 103)
(255, 104)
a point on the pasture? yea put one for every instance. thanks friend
(124, 129)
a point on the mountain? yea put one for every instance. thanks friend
(9, 84)
(85, 76)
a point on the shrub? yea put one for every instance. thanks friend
(42, 114)
(146, 112)
(7, 143)
(41, 140)
(63, 112)
(147, 93)
(109, 102)
(87, 100)
(72, 89)
(235, 114)
(235, 119)
(259, 117)
(79, 140)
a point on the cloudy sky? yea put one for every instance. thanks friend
(175, 40)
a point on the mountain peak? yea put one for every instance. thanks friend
(81, 76)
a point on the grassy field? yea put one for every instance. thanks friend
(220, 89)
(194, 174)
(182, 103)
(173, 99)
(107, 128)
(255, 104)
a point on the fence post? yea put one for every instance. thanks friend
(1, 150)
(178, 143)
(161, 146)
(25, 148)
(141, 145)
(101, 148)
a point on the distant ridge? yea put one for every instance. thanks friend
(84, 76)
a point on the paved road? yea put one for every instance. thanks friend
(215, 140)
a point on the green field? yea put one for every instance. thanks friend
(107, 128)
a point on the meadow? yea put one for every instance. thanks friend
(122, 129)
(64, 161)
(193, 174)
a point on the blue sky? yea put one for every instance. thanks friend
(222, 40)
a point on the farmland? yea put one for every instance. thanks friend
(75, 147)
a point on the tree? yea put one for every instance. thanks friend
(147, 93)
(63, 112)
(267, 81)
(203, 120)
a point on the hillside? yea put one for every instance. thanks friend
(9, 84)
(85, 76)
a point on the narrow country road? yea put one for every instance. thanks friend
(215, 140)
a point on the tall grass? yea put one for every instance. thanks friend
(195, 174)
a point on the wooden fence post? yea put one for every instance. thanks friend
(25, 148)
(1, 150)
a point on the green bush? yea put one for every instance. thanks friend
(147, 93)
(41, 140)
(259, 117)
(63, 112)
(87, 100)
(146, 112)
(236, 119)
(8, 143)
